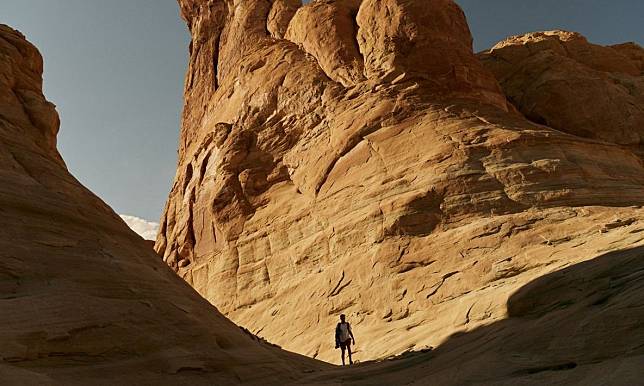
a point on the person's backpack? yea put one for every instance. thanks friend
(337, 335)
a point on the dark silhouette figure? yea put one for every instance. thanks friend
(344, 338)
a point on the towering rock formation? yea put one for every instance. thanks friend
(561, 80)
(384, 176)
(83, 300)
(357, 157)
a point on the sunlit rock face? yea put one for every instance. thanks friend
(381, 174)
(83, 299)
(561, 80)
(356, 157)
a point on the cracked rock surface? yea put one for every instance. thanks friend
(368, 164)
(356, 157)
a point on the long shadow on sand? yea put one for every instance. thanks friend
(583, 324)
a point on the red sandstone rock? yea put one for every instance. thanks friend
(83, 299)
(368, 164)
(561, 80)
(414, 200)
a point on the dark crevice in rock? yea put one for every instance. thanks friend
(540, 369)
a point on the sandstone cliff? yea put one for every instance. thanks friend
(384, 176)
(350, 156)
(83, 300)
(561, 80)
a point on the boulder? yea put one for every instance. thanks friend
(559, 79)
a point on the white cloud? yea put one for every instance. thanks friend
(146, 229)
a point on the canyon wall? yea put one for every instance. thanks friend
(559, 79)
(339, 157)
(84, 300)
(357, 157)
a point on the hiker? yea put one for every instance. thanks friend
(344, 337)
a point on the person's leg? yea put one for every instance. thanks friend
(349, 350)
(342, 348)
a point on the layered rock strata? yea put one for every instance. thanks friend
(353, 157)
(84, 300)
(448, 212)
(559, 79)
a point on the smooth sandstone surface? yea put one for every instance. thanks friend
(83, 299)
(368, 163)
(559, 79)
(409, 195)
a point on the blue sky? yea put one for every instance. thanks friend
(115, 70)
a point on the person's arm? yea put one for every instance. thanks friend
(337, 336)
(351, 333)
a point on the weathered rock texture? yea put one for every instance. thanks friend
(394, 185)
(365, 162)
(83, 300)
(561, 80)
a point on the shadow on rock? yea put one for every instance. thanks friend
(579, 325)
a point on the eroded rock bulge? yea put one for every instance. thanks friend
(559, 79)
(367, 163)
(83, 300)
